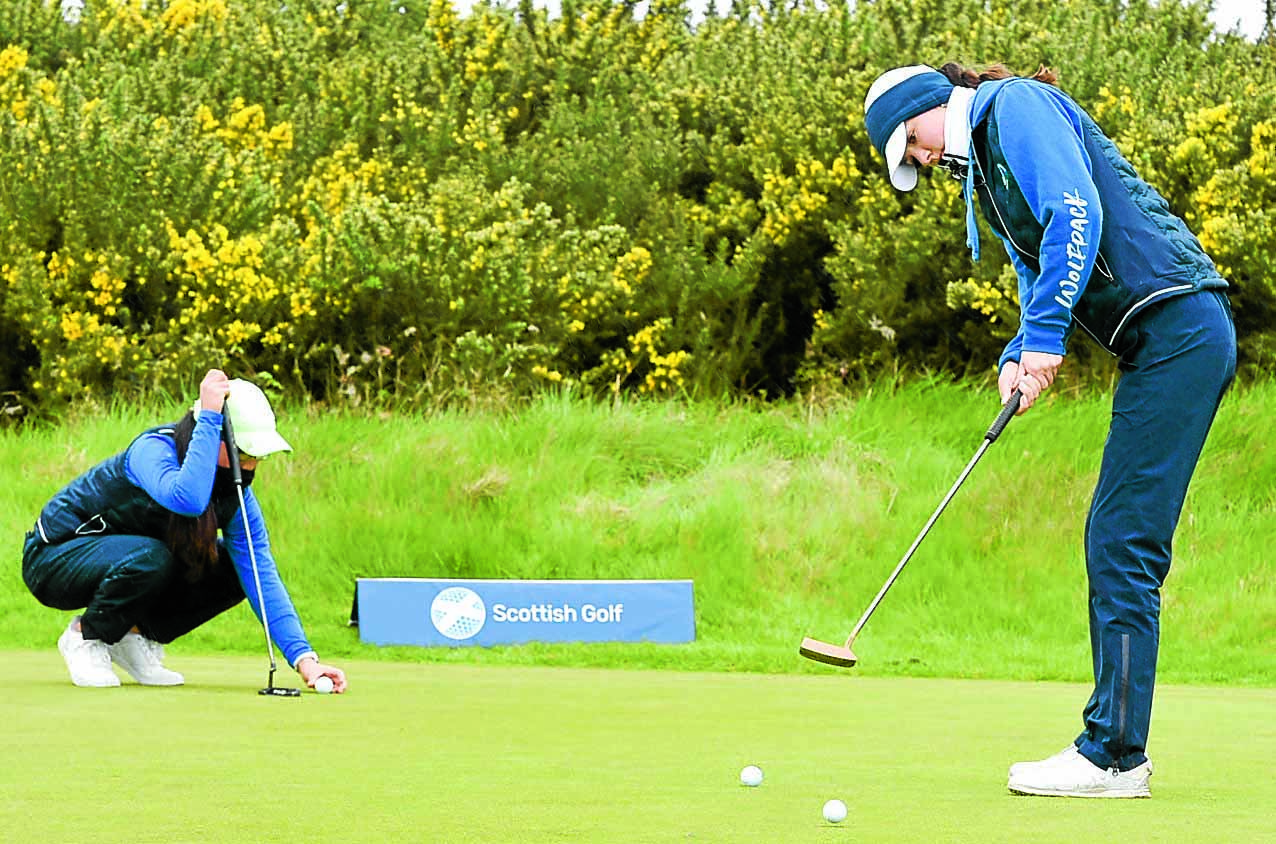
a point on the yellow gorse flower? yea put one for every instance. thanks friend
(182, 15)
(12, 60)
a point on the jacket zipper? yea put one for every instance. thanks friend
(992, 200)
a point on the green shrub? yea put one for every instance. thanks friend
(373, 206)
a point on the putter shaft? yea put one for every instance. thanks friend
(890, 581)
(232, 457)
(843, 656)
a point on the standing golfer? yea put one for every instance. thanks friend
(133, 541)
(1094, 246)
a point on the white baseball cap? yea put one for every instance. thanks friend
(252, 420)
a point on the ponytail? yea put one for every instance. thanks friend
(969, 78)
(191, 540)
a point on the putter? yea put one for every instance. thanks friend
(841, 655)
(232, 457)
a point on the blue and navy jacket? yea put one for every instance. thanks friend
(135, 491)
(1092, 243)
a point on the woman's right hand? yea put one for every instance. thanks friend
(213, 390)
(1030, 376)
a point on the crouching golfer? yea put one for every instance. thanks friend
(1093, 246)
(134, 543)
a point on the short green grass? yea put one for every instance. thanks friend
(453, 753)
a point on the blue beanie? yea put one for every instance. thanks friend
(899, 95)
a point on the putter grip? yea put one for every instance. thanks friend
(232, 451)
(1003, 418)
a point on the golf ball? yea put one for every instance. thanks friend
(751, 775)
(323, 685)
(835, 811)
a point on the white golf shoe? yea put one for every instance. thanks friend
(87, 659)
(1067, 753)
(1069, 774)
(144, 660)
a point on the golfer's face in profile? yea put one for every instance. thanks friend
(925, 137)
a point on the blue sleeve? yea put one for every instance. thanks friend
(1040, 133)
(285, 625)
(184, 488)
(1027, 279)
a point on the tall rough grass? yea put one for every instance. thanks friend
(787, 516)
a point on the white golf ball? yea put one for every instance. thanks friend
(323, 685)
(835, 811)
(751, 775)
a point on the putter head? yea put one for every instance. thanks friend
(276, 691)
(271, 689)
(827, 653)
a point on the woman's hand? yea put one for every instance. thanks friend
(213, 390)
(312, 669)
(1031, 376)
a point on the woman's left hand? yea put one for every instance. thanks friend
(311, 670)
(1036, 373)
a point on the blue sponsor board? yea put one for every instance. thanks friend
(441, 611)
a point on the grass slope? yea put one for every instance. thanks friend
(787, 516)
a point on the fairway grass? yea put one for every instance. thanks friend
(462, 753)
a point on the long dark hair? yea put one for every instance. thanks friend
(966, 77)
(191, 539)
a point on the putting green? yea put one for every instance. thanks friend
(443, 753)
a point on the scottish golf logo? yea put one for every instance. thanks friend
(458, 613)
(453, 612)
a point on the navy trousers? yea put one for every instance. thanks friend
(1180, 362)
(123, 581)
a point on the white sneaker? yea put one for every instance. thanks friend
(1063, 755)
(87, 659)
(144, 660)
(1069, 774)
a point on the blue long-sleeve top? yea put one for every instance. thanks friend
(1038, 165)
(186, 487)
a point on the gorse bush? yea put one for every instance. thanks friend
(390, 203)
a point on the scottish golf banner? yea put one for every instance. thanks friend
(439, 611)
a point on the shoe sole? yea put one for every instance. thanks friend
(1109, 793)
(78, 684)
(180, 682)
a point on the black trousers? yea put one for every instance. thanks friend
(123, 581)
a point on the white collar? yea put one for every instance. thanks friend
(957, 125)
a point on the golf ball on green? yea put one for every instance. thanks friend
(751, 775)
(835, 811)
(323, 685)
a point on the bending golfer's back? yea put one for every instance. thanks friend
(150, 544)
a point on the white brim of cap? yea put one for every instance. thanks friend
(903, 176)
(261, 443)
